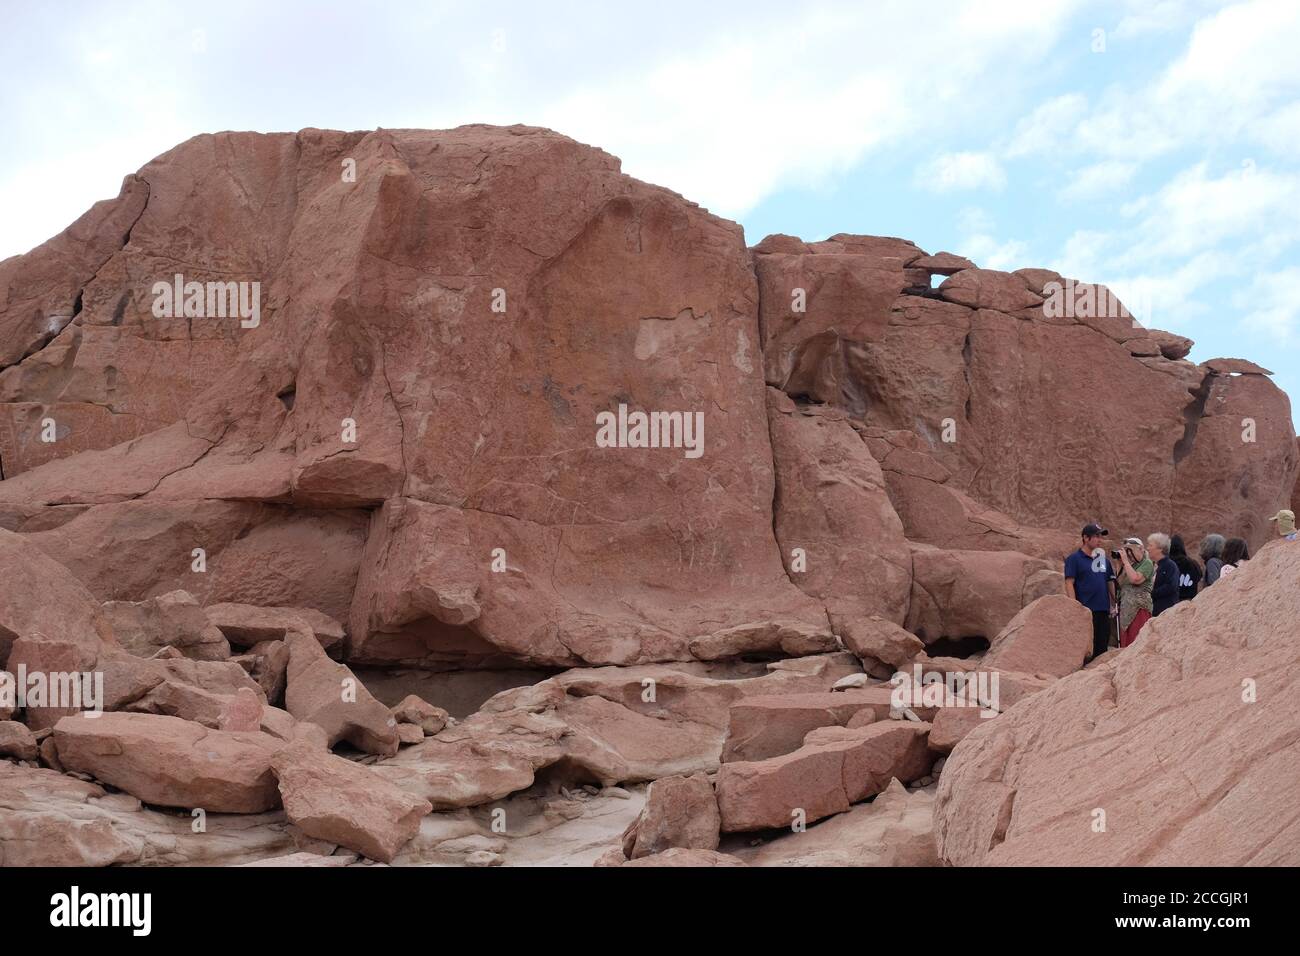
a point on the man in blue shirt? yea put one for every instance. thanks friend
(1090, 580)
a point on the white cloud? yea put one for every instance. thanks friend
(1196, 211)
(961, 171)
(1098, 180)
(1049, 128)
(1236, 82)
(990, 253)
(1145, 17)
(1272, 306)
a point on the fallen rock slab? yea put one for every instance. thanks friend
(836, 767)
(771, 725)
(174, 619)
(894, 829)
(307, 859)
(48, 818)
(329, 695)
(245, 625)
(333, 799)
(171, 762)
(876, 639)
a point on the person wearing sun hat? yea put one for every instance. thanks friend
(1136, 581)
(1285, 524)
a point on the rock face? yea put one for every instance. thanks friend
(407, 435)
(1185, 741)
(464, 358)
(490, 406)
(840, 538)
(874, 341)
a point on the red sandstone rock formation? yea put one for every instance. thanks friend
(395, 461)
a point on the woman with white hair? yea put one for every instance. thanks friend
(1136, 579)
(1164, 593)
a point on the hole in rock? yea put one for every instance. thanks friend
(287, 396)
(957, 647)
(566, 773)
(460, 693)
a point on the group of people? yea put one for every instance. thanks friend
(1141, 580)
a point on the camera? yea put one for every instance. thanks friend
(1115, 555)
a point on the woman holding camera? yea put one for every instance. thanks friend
(1136, 579)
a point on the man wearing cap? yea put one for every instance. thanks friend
(1090, 580)
(1285, 524)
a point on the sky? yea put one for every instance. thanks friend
(1152, 146)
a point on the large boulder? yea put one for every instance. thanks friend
(835, 768)
(172, 762)
(679, 812)
(874, 640)
(1051, 635)
(894, 829)
(339, 801)
(174, 620)
(1164, 754)
(770, 725)
(43, 601)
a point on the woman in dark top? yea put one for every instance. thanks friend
(1189, 572)
(1164, 594)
